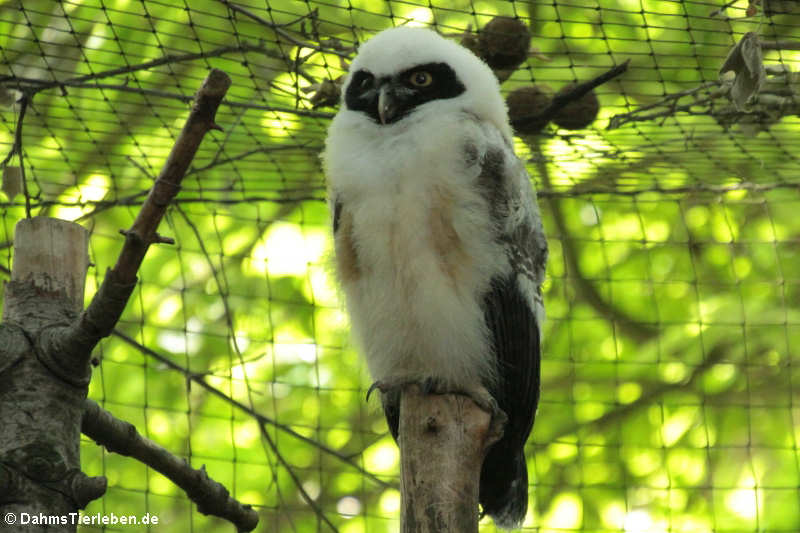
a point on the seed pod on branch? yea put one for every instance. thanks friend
(578, 114)
(503, 44)
(527, 101)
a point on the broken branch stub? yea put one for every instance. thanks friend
(51, 254)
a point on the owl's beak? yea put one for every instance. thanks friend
(387, 104)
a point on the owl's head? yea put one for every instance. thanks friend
(403, 71)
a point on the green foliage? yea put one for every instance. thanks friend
(669, 393)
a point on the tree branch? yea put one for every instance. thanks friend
(780, 45)
(776, 96)
(443, 440)
(699, 188)
(261, 149)
(121, 437)
(197, 378)
(143, 231)
(165, 60)
(33, 85)
(102, 314)
(668, 101)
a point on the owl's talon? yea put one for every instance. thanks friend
(387, 385)
(375, 385)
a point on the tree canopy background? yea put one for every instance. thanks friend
(669, 399)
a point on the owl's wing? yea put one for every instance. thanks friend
(513, 312)
(337, 212)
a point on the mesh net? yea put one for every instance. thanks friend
(670, 356)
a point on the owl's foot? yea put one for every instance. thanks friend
(392, 385)
(434, 385)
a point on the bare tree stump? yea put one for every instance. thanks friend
(443, 440)
(40, 431)
(51, 255)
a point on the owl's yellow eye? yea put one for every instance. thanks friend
(420, 78)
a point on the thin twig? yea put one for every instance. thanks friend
(299, 484)
(198, 378)
(141, 168)
(280, 31)
(780, 45)
(299, 20)
(674, 96)
(637, 116)
(700, 188)
(165, 60)
(231, 327)
(578, 190)
(262, 149)
(775, 94)
(722, 8)
(16, 148)
(37, 85)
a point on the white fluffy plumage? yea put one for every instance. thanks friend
(437, 232)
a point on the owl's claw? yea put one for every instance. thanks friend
(391, 385)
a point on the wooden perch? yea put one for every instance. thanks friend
(443, 440)
(210, 496)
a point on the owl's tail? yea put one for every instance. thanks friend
(504, 486)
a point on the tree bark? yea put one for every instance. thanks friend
(46, 344)
(40, 473)
(443, 440)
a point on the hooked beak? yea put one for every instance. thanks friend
(387, 104)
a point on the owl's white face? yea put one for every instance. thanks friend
(404, 70)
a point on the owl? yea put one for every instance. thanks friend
(438, 241)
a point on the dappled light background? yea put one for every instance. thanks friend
(671, 375)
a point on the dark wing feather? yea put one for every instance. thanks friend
(510, 314)
(337, 213)
(504, 476)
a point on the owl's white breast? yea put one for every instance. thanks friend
(419, 227)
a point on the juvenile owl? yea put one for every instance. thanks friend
(439, 244)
